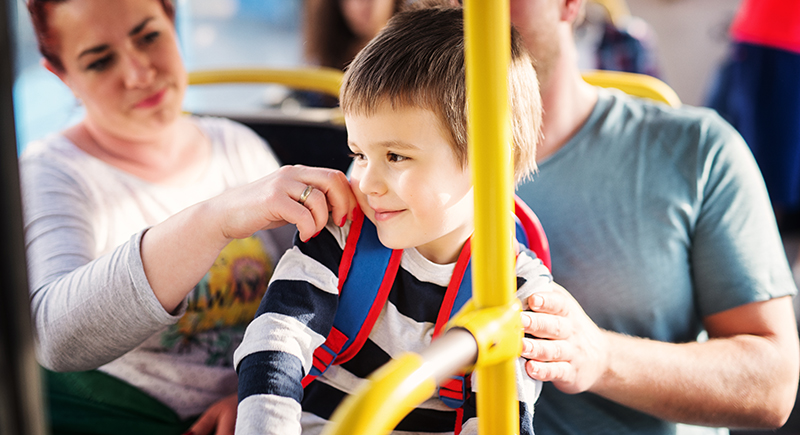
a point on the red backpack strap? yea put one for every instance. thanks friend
(537, 240)
(454, 390)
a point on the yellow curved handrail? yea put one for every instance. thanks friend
(326, 80)
(639, 85)
(485, 337)
(397, 388)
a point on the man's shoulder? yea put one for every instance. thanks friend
(657, 115)
(632, 118)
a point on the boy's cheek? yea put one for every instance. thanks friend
(354, 177)
(361, 197)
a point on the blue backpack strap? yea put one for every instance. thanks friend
(366, 275)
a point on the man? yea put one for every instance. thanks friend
(661, 229)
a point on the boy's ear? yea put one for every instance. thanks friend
(571, 9)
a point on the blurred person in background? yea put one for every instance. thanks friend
(334, 31)
(758, 91)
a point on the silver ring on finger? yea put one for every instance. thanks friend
(306, 193)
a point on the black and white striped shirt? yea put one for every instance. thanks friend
(296, 315)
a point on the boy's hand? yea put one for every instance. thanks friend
(568, 348)
(219, 418)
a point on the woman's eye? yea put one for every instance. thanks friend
(100, 64)
(150, 37)
(396, 157)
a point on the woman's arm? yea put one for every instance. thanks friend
(178, 252)
(89, 311)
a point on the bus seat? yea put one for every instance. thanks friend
(306, 136)
(639, 85)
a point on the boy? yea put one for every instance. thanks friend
(405, 108)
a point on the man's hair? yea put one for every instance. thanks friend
(417, 60)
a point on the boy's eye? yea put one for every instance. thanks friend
(101, 64)
(357, 156)
(395, 157)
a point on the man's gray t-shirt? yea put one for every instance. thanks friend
(656, 218)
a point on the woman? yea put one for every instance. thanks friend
(144, 243)
(335, 31)
(338, 29)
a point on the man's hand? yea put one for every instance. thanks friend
(568, 349)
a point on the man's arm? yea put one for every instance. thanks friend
(745, 375)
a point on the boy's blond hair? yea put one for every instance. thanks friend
(417, 60)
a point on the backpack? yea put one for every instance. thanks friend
(366, 274)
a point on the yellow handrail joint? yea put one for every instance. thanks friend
(497, 330)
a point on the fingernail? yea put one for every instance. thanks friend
(526, 321)
(315, 235)
(526, 347)
(344, 219)
(538, 301)
(306, 240)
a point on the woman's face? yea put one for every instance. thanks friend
(121, 60)
(366, 17)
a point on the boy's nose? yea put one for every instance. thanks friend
(371, 181)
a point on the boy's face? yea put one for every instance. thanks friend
(408, 181)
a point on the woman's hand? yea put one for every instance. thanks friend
(219, 418)
(274, 201)
(179, 251)
(568, 348)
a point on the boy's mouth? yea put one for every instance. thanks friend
(385, 215)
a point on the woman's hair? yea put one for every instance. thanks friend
(417, 60)
(47, 39)
(329, 41)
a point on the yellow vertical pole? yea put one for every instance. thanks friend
(487, 39)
